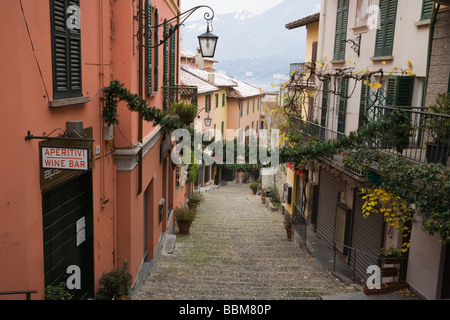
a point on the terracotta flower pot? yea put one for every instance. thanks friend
(184, 227)
(289, 234)
(263, 200)
(254, 191)
(192, 206)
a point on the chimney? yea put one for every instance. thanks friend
(211, 77)
(199, 61)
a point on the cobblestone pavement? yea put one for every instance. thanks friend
(237, 249)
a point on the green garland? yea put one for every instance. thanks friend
(116, 92)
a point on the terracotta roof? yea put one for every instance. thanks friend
(303, 21)
(190, 79)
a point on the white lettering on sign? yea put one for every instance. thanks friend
(65, 158)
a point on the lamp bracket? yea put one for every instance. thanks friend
(356, 44)
(64, 136)
(208, 16)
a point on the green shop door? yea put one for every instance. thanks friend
(68, 233)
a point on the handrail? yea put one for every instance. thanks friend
(26, 292)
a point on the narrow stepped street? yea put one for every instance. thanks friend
(237, 249)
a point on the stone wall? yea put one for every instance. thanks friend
(440, 58)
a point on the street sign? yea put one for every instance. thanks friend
(65, 158)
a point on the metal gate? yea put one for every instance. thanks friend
(68, 233)
(326, 214)
(366, 239)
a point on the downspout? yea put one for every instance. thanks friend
(141, 90)
(434, 13)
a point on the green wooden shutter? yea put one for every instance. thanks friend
(148, 49)
(166, 66)
(156, 62)
(384, 43)
(223, 99)
(323, 116)
(66, 52)
(399, 91)
(427, 7)
(362, 105)
(172, 55)
(341, 30)
(217, 100)
(342, 106)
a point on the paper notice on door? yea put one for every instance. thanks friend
(81, 224)
(81, 236)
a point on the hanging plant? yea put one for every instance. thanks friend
(116, 92)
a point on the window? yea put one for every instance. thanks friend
(361, 13)
(208, 103)
(248, 106)
(223, 99)
(427, 7)
(241, 107)
(217, 100)
(384, 43)
(222, 128)
(341, 30)
(66, 51)
(253, 106)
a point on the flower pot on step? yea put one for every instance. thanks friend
(184, 227)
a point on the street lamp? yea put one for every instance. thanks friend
(207, 120)
(207, 40)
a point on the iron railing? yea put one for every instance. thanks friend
(430, 138)
(421, 147)
(174, 93)
(27, 293)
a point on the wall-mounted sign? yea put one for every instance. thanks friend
(287, 193)
(65, 158)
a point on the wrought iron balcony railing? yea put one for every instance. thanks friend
(428, 143)
(188, 94)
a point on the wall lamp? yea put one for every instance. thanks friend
(207, 40)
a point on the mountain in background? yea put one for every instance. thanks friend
(257, 49)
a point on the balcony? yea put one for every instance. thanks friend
(174, 93)
(302, 75)
(427, 127)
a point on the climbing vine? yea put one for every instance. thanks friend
(116, 92)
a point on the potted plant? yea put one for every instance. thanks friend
(390, 255)
(184, 218)
(57, 292)
(185, 111)
(288, 226)
(245, 177)
(194, 199)
(114, 285)
(439, 129)
(263, 195)
(254, 186)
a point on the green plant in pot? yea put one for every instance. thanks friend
(58, 292)
(390, 255)
(439, 129)
(194, 199)
(185, 111)
(254, 186)
(184, 218)
(114, 285)
(288, 225)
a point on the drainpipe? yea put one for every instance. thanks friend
(141, 91)
(434, 13)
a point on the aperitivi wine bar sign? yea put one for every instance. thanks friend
(63, 158)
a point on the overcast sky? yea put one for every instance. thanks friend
(227, 6)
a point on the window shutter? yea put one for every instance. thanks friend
(384, 42)
(148, 49)
(217, 100)
(166, 65)
(362, 105)
(399, 91)
(341, 30)
(342, 106)
(427, 7)
(156, 62)
(172, 55)
(323, 116)
(66, 52)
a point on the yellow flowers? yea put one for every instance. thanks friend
(374, 85)
(396, 210)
